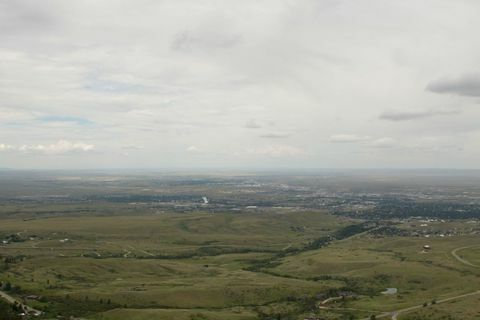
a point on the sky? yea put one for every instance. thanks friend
(239, 84)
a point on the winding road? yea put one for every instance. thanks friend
(395, 314)
(462, 260)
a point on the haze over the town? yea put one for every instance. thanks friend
(254, 84)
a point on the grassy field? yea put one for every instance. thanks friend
(470, 254)
(192, 314)
(167, 233)
(232, 266)
(371, 265)
(162, 263)
(466, 308)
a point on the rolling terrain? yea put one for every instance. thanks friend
(154, 249)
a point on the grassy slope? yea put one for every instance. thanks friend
(467, 308)
(57, 270)
(159, 314)
(210, 284)
(375, 264)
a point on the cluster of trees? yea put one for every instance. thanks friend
(8, 287)
(343, 233)
(340, 234)
(13, 238)
(9, 312)
(389, 231)
(438, 209)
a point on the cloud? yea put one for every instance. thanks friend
(381, 143)
(173, 74)
(5, 147)
(132, 147)
(193, 149)
(60, 147)
(276, 151)
(348, 138)
(252, 124)
(9, 115)
(275, 135)
(385, 142)
(397, 115)
(187, 40)
(23, 16)
(465, 85)
(99, 85)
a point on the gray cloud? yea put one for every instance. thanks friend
(25, 16)
(275, 135)
(252, 124)
(186, 41)
(465, 85)
(348, 138)
(379, 143)
(397, 115)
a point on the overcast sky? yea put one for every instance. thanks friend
(251, 84)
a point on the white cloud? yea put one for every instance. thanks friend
(60, 147)
(5, 147)
(10, 115)
(193, 149)
(276, 151)
(348, 138)
(385, 142)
